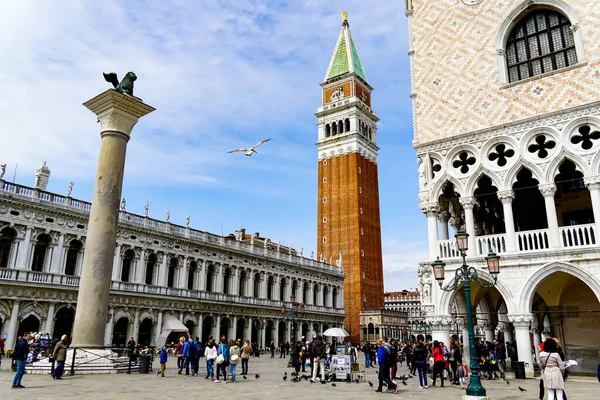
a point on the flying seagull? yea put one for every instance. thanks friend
(251, 150)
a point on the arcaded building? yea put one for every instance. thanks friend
(348, 221)
(164, 275)
(506, 106)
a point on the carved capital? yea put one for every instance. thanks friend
(548, 190)
(520, 320)
(575, 27)
(506, 196)
(592, 182)
(444, 216)
(467, 202)
(430, 208)
(501, 52)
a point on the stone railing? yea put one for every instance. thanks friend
(526, 241)
(127, 218)
(45, 278)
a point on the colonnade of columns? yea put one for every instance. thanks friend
(434, 214)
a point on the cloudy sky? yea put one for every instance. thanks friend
(222, 75)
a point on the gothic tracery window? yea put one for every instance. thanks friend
(541, 42)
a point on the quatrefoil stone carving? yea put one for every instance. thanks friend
(501, 155)
(586, 137)
(541, 146)
(463, 162)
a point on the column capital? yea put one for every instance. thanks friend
(444, 216)
(520, 320)
(506, 196)
(430, 208)
(467, 202)
(592, 182)
(547, 190)
(116, 112)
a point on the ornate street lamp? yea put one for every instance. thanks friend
(465, 275)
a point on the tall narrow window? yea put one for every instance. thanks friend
(126, 265)
(72, 256)
(542, 42)
(7, 237)
(39, 253)
(150, 269)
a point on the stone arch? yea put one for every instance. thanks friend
(32, 309)
(511, 176)
(563, 155)
(147, 315)
(446, 299)
(190, 317)
(438, 187)
(515, 16)
(122, 313)
(531, 284)
(477, 175)
(4, 311)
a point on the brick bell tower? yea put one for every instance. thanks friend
(348, 224)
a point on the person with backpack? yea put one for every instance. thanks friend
(187, 359)
(193, 356)
(223, 362)
(384, 355)
(393, 359)
(419, 357)
(234, 352)
(163, 361)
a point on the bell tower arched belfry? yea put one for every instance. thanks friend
(348, 224)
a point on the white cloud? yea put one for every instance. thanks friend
(401, 262)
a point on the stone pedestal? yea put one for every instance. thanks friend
(117, 115)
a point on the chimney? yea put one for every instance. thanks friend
(257, 234)
(42, 176)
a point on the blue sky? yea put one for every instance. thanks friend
(222, 75)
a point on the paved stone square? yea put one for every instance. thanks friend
(269, 386)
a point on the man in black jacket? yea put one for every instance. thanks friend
(20, 356)
(318, 353)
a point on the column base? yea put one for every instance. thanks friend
(87, 361)
(467, 397)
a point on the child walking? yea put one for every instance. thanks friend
(163, 362)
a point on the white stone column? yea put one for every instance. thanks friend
(202, 274)
(234, 329)
(431, 211)
(276, 333)
(117, 114)
(217, 328)
(163, 271)
(140, 267)
(136, 325)
(288, 333)
(468, 203)
(79, 264)
(440, 329)
(24, 250)
(548, 191)
(158, 329)
(507, 197)
(13, 325)
(200, 326)
(49, 327)
(108, 328)
(219, 271)
(116, 266)
(56, 267)
(248, 329)
(183, 276)
(263, 336)
(444, 217)
(593, 185)
(521, 323)
(235, 281)
(250, 285)
(489, 333)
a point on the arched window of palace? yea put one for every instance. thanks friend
(270, 284)
(242, 284)
(210, 273)
(192, 275)
(282, 285)
(39, 253)
(150, 269)
(126, 268)
(256, 285)
(72, 255)
(541, 42)
(171, 273)
(7, 237)
(226, 280)
(327, 130)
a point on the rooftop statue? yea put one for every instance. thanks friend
(125, 86)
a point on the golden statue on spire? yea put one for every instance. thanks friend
(344, 16)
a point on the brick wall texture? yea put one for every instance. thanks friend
(455, 73)
(343, 230)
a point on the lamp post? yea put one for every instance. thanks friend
(295, 313)
(465, 275)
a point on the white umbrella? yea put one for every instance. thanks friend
(336, 332)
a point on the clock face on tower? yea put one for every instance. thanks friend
(472, 2)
